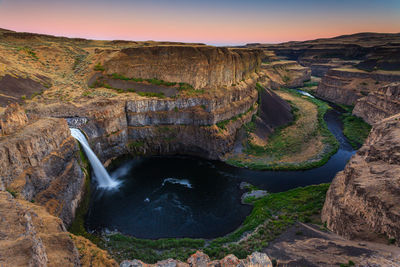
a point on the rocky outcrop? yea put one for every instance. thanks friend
(199, 66)
(13, 118)
(39, 163)
(32, 237)
(363, 200)
(90, 255)
(162, 125)
(199, 259)
(346, 86)
(284, 74)
(383, 103)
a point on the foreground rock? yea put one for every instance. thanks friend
(312, 246)
(383, 103)
(32, 237)
(199, 259)
(363, 201)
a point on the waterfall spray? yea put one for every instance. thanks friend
(101, 175)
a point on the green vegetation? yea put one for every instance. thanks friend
(280, 145)
(286, 79)
(182, 87)
(154, 81)
(310, 84)
(99, 67)
(136, 144)
(355, 129)
(271, 215)
(12, 192)
(152, 94)
(78, 225)
(78, 60)
(350, 263)
(222, 124)
(29, 51)
(391, 241)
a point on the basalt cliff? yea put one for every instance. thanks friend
(363, 200)
(137, 98)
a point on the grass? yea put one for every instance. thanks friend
(99, 67)
(271, 215)
(222, 124)
(310, 84)
(154, 81)
(151, 94)
(29, 51)
(287, 141)
(355, 129)
(182, 87)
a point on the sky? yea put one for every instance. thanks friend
(216, 22)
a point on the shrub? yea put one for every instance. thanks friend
(99, 67)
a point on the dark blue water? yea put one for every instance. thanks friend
(192, 197)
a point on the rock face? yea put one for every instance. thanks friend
(380, 104)
(199, 259)
(199, 66)
(366, 51)
(346, 86)
(39, 163)
(32, 237)
(163, 126)
(12, 119)
(285, 74)
(364, 199)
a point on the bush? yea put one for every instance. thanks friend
(99, 67)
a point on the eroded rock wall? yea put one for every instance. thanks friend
(346, 86)
(383, 103)
(32, 237)
(284, 74)
(199, 66)
(363, 199)
(39, 162)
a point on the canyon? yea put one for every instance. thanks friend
(164, 98)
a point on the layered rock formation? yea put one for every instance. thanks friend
(162, 126)
(199, 259)
(12, 119)
(346, 86)
(383, 103)
(32, 237)
(366, 51)
(199, 66)
(284, 74)
(363, 201)
(38, 162)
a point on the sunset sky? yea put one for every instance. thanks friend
(218, 22)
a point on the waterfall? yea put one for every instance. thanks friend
(101, 175)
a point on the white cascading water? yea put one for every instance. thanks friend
(101, 175)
